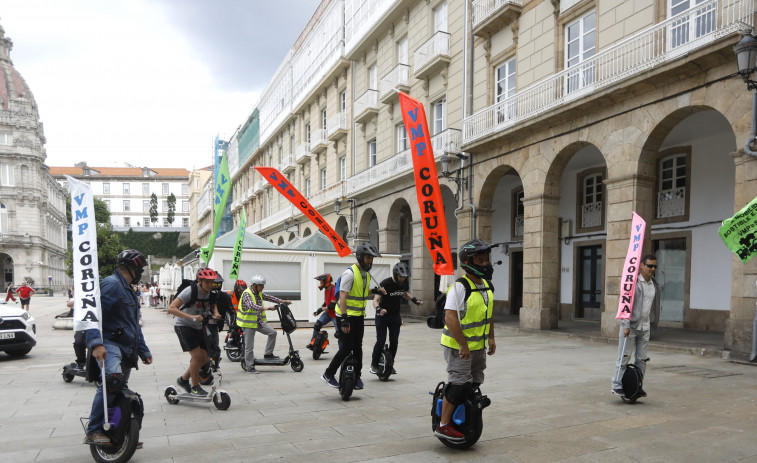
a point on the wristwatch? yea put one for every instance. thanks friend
(194, 319)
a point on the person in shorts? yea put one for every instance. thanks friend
(189, 326)
(25, 294)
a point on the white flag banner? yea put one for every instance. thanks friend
(87, 309)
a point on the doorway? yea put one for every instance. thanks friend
(589, 282)
(671, 275)
(516, 282)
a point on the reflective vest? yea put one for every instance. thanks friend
(249, 318)
(358, 295)
(477, 320)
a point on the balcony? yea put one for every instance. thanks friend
(285, 213)
(327, 195)
(14, 239)
(258, 188)
(591, 215)
(318, 141)
(336, 127)
(203, 204)
(366, 106)
(204, 230)
(236, 204)
(432, 55)
(302, 153)
(668, 40)
(671, 203)
(396, 79)
(287, 163)
(490, 16)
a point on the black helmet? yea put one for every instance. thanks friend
(325, 280)
(218, 282)
(132, 258)
(401, 270)
(364, 249)
(471, 249)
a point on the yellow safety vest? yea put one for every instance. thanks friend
(477, 320)
(358, 295)
(249, 319)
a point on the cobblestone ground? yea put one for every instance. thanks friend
(550, 396)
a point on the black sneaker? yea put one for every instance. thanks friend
(184, 384)
(619, 392)
(330, 380)
(359, 384)
(642, 393)
(96, 438)
(271, 357)
(197, 390)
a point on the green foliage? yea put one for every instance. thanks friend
(171, 209)
(153, 208)
(162, 244)
(108, 241)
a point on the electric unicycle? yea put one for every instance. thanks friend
(386, 364)
(125, 421)
(347, 377)
(467, 416)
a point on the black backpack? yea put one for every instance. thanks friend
(436, 321)
(184, 283)
(288, 322)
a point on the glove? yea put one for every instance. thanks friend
(343, 322)
(376, 290)
(318, 312)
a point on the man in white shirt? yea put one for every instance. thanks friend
(634, 331)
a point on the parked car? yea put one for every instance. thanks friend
(18, 331)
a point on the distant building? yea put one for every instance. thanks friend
(32, 205)
(127, 191)
(200, 201)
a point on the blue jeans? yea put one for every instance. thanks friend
(325, 318)
(113, 364)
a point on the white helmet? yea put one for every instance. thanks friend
(257, 280)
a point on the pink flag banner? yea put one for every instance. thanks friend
(631, 268)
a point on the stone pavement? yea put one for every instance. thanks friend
(550, 396)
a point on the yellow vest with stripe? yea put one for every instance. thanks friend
(249, 319)
(358, 296)
(477, 320)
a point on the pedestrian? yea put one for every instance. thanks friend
(633, 337)
(468, 334)
(119, 344)
(25, 294)
(153, 300)
(9, 295)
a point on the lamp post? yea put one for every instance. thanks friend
(746, 59)
(461, 181)
(353, 213)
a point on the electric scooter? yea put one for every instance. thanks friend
(72, 370)
(288, 325)
(467, 415)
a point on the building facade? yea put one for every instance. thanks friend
(557, 119)
(200, 199)
(32, 205)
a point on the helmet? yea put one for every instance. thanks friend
(206, 274)
(218, 282)
(132, 258)
(325, 280)
(257, 280)
(471, 249)
(400, 270)
(239, 286)
(363, 249)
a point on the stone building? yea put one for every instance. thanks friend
(556, 119)
(32, 204)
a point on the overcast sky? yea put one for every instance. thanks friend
(148, 82)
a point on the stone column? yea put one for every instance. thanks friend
(465, 231)
(422, 272)
(389, 240)
(624, 196)
(541, 269)
(484, 225)
(738, 327)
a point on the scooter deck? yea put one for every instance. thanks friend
(191, 397)
(277, 362)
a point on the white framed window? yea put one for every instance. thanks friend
(580, 45)
(146, 221)
(692, 25)
(145, 188)
(307, 133)
(165, 189)
(504, 85)
(323, 178)
(145, 206)
(323, 119)
(185, 222)
(185, 189)
(165, 205)
(281, 154)
(127, 205)
(127, 221)
(343, 101)
(372, 153)
(672, 173)
(185, 206)
(6, 139)
(402, 51)
(197, 184)
(592, 189)
(6, 175)
(4, 228)
(440, 116)
(106, 188)
(291, 144)
(440, 17)
(165, 222)
(343, 168)
(107, 203)
(126, 188)
(307, 187)
(401, 137)
(373, 77)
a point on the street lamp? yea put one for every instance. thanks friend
(746, 59)
(458, 178)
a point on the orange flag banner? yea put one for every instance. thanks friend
(280, 182)
(427, 184)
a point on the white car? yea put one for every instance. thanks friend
(18, 331)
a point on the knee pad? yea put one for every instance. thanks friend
(115, 382)
(456, 393)
(318, 325)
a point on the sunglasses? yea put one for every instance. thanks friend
(651, 266)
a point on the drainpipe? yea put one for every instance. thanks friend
(752, 136)
(753, 357)
(470, 191)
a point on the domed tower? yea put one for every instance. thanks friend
(32, 204)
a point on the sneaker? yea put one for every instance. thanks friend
(450, 433)
(309, 347)
(184, 384)
(359, 384)
(330, 380)
(197, 390)
(394, 372)
(252, 370)
(271, 357)
(642, 393)
(619, 392)
(374, 369)
(96, 438)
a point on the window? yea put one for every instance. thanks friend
(145, 206)
(107, 203)
(580, 45)
(6, 139)
(127, 205)
(6, 175)
(106, 188)
(185, 189)
(165, 205)
(127, 221)
(165, 189)
(185, 206)
(145, 188)
(402, 51)
(291, 144)
(323, 119)
(440, 17)
(504, 88)
(671, 185)
(591, 199)
(373, 77)
(3, 219)
(197, 183)
(401, 138)
(185, 222)
(126, 188)
(146, 221)
(440, 116)
(323, 178)
(692, 25)
(343, 101)
(517, 227)
(307, 133)
(165, 222)
(343, 168)
(372, 153)
(307, 187)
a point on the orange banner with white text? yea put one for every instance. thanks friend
(280, 182)
(427, 185)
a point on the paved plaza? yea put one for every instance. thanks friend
(550, 396)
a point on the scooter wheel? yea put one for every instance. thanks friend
(297, 364)
(68, 377)
(171, 392)
(224, 402)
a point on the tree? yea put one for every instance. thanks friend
(108, 241)
(153, 208)
(171, 209)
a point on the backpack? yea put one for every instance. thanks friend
(338, 284)
(288, 322)
(184, 283)
(436, 321)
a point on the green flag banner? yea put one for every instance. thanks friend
(738, 233)
(234, 274)
(223, 188)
